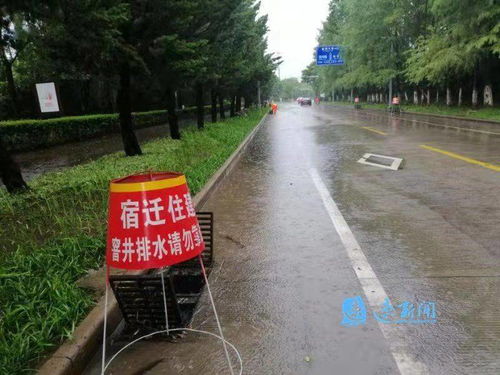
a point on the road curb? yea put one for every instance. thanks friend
(74, 354)
(426, 114)
(203, 195)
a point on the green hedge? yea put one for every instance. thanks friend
(24, 135)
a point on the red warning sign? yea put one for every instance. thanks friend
(151, 222)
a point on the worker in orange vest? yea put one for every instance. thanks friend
(395, 107)
(274, 108)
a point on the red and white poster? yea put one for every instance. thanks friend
(152, 222)
(47, 97)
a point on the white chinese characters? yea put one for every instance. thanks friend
(143, 249)
(130, 214)
(152, 207)
(179, 208)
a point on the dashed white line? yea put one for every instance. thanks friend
(372, 288)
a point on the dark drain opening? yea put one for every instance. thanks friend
(380, 160)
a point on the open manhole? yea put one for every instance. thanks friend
(381, 161)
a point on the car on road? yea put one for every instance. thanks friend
(306, 101)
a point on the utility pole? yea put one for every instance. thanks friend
(390, 81)
(258, 94)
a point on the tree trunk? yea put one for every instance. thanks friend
(180, 103)
(415, 97)
(213, 96)
(222, 110)
(173, 120)
(428, 96)
(488, 96)
(238, 103)
(130, 143)
(437, 96)
(406, 97)
(232, 111)
(10, 172)
(460, 96)
(200, 106)
(475, 101)
(422, 96)
(352, 95)
(474, 97)
(85, 95)
(448, 96)
(11, 87)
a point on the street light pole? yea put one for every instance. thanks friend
(390, 80)
(258, 94)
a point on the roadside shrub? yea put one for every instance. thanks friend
(22, 135)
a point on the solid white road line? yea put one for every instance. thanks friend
(373, 289)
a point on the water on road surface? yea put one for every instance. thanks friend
(301, 226)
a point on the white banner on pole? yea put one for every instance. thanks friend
(47, 97)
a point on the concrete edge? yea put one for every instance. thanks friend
(73, 355)
(494, 122)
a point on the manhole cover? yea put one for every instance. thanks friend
(381, 161)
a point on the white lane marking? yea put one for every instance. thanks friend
(373, 289)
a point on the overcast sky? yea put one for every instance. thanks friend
(294, 26)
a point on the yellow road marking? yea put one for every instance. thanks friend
(374, 130)
(463, 158)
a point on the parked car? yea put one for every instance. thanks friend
(306, 101)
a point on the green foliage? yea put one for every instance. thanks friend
(89, 44)
(414, 42)
(50, 236)
(291, 88)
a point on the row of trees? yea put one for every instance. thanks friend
(432, 50)
(291, 88)
(125, 55)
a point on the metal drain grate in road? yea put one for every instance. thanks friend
(381, 161)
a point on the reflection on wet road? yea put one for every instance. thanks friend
(285, 261)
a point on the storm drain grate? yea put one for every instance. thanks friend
(381, 161)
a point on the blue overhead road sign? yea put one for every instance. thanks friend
(328, 55)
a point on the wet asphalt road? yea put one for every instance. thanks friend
(429, 232)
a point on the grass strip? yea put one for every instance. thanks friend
(485, 113)
(52, 235)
